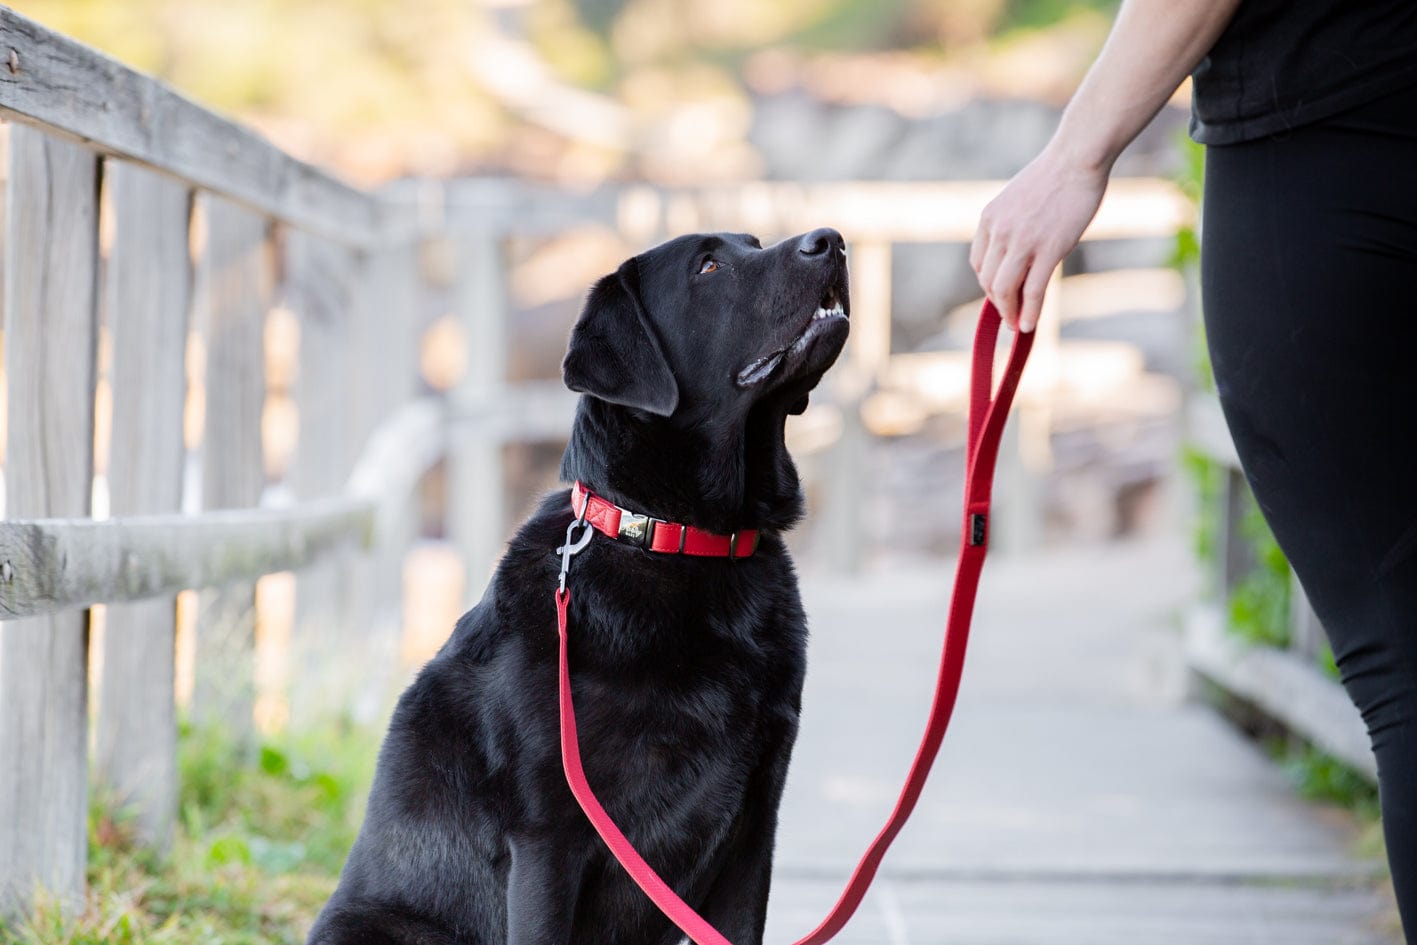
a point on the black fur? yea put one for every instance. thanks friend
(687, 671)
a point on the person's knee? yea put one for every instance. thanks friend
(1381, 680)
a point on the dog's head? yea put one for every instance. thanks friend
(710, 325)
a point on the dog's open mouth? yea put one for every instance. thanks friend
(831, 309)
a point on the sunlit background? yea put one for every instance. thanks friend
(577, 92)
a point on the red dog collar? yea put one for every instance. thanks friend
(654, 534)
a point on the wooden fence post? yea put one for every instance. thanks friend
(233, 289)
(868, 350)
(148, 296)
(320, 290)
(384, 371)
(51, 260)
(1234, 558)
(1026, 452)
(1306, 631)
(398, 322)
(477, 524)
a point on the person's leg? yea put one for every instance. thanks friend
(1309, 274)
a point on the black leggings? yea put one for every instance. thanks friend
(1309, 271)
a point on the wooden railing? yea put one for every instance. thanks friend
(146, 243)
(165, 446)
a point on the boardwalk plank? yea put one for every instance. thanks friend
(1079, 796)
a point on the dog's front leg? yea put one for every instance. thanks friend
(542, 888)
(737, 903)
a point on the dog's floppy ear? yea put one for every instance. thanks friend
(614, 354)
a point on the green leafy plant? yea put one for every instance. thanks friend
(259, 845)
(1319, 776)
(1208, 479)
(1327, 664)
(1259, 604)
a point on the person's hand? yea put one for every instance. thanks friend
(1025, 232)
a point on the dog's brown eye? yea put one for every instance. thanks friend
(710, 265)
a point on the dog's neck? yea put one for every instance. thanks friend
(723, 477)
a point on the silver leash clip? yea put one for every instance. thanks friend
(573, 546)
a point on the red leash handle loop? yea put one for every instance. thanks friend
(987, 415)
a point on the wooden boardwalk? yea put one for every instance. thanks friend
(1080, 796)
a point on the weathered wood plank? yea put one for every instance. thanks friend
(1235, 553)
(233, 291)
(393, 279)
(382, 342)
(4, 215)
(61, 564)
(529, 411)
(397, 455)
(61, 84)
(148, 294)
(1306, 632)
(320, 290)
(1284, 685)
(384, 361)
(50, 306)
(478, 527)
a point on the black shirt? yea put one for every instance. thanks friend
(1281, 63)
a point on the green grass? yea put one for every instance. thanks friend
(258, 848)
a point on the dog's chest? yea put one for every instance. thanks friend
(680, 717)
(670, 728)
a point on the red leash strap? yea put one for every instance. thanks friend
(986, 427)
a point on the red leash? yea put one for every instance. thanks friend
(986, 426)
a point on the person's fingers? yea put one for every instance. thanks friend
(993, 258)
(978, 248)
(1031, 303)
(1004, 287)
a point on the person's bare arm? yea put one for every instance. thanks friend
(1040, 216)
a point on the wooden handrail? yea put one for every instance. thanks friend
(945, 211)
(51, 565)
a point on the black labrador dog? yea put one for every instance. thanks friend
(687, 670)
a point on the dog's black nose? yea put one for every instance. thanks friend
(820, 241)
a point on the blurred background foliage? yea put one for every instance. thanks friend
(575, 90)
